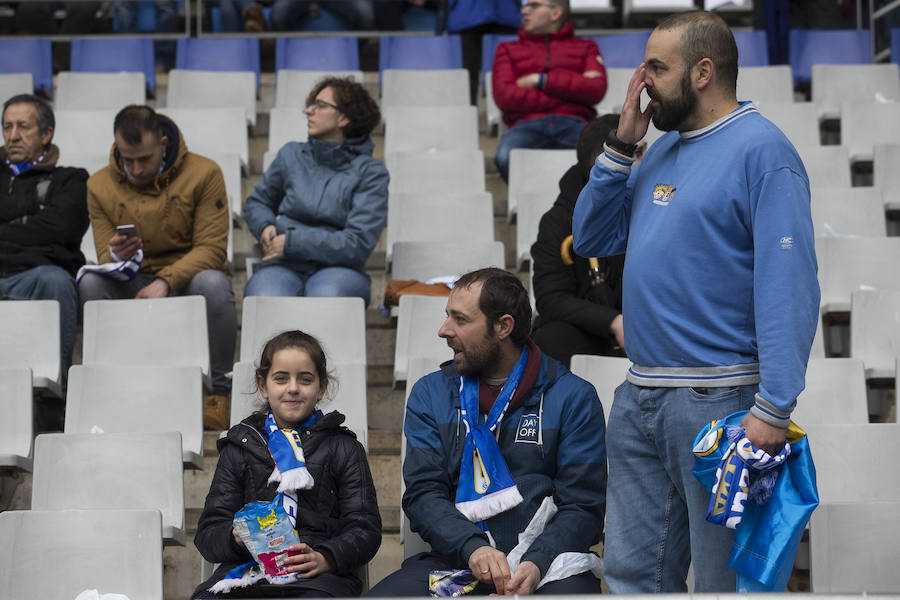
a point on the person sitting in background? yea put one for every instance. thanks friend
(319, 209)
(579, 300)
(546, 82)
(334, 512)
(175, 200)
(287, 14)
(43, 216)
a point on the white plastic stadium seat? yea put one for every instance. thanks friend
(455, 171)
(231, 171)
(286, 124)
(293, 86)
(111, 471)
(460, 218)
(875, 331)
(833, 85)
(853, 461)
(835, 393)
(213, 89)
(886, 174)
(31, 339)
(847, 264)
(424, 87)
(855, 211)
(531, 207)
(95, 91)
(605, 373)
(616, 87)
(826, 166)
(492, 112)
(340, 326)
(13, 84)
(161, 332)
(245, 398)
(427, 260)
(60, 553)
(536, 172)
(430, 129)
(797, 120)
(16, 428)
(213, 131)
(864, 125)
(418, 321)
(84, 133)
(139, 399)
(853, 547)
(765, 84)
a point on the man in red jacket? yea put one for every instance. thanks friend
(546, 83)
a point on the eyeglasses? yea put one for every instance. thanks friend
(533, 5)
(320, 104)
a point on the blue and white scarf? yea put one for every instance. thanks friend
(486, 487)
(291, 473)
(741, 462)
(19, 168)
(123, 270)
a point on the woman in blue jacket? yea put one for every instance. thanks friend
(319, 209)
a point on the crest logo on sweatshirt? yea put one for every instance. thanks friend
(663, 194)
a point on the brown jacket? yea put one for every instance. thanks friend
(182, 216)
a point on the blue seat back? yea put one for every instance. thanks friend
(317, 54)
(489, 44)
(753, 50)
(28, 55)
(113, 55)
(420, 52)
(895, 45)
(835, 47)
(623, 50)
(218, 54)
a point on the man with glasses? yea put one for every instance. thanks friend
(546, 82)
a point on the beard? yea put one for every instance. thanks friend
(670, 113)
(478, 356)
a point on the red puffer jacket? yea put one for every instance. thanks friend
(563, 59)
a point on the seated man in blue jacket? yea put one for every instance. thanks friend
(490, 436)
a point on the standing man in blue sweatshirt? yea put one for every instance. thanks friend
(720, 296)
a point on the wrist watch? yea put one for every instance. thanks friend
(618, 145)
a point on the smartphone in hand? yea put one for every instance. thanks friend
(127, 230)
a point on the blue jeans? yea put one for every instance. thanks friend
(49, 282)
(553, 132)
(166, 22)
(655, 507)
(330, 282)
(286, 14)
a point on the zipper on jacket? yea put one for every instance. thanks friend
(11, 179)
(547, 45)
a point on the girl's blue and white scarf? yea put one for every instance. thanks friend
(486, 487)
(19, 168)
(291, 473)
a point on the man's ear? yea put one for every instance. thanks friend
(503, 327)
(46, 136)
(164, 141)
(343, 121)
(703, 73)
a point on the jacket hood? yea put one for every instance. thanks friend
(49, 159)
(569, 187)
(567, 31)
(176, 151)
(339, 154)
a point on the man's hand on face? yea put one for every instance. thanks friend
(489, 565)
(125, 246)
(633, 123)
(157, 288)
(524, 580)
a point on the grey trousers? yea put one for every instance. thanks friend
(221, 317)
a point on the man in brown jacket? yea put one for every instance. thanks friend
(177, 204)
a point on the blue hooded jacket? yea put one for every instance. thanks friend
(330, 199)
(464, 14)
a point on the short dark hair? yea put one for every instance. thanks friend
(45, 118)
(501, 294)
(294, 339)
(564, 5)
(591, 140)
(133, 121)
(706, 35)
(354, 102)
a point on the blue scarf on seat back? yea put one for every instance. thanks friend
(485, 487)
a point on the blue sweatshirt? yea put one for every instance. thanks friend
(720, 282)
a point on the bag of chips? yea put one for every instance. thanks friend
(267, 533)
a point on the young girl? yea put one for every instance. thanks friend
(337, 518)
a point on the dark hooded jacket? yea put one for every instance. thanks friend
(43, 216)
(338, 517)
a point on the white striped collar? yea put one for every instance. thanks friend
(745, 108)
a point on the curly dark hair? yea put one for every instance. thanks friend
(354, 102)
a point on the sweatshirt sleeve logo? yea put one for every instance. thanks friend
(663, 194)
